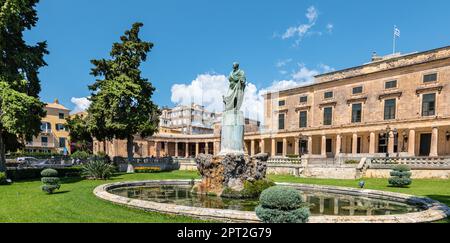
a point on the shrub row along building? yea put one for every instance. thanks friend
(398, 105)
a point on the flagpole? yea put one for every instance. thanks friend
(393, 48)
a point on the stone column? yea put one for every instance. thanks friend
(355, 144)
(186, 150)
(216, 148)
(166, 148)
(197, 149)
(338, 144)
(434, 142)
(322, 205)
(296, 148)
(252, 147)
(157, 149)
(262, 145)
(412, 143)
(206, 148)
(372, 143)
(310, 143)
(284, 147)
(391, 143)
(273, 152)
(324, 146)
(336, 206)
(176, 149)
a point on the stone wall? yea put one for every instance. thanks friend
(330, 173)
(416, 174)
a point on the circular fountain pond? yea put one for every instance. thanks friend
(326, 203)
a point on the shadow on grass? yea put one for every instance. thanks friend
(70, 180)
(60, 192)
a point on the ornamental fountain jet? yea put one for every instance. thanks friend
(231, 167)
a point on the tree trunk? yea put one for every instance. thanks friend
(130, 149)
(2, 154)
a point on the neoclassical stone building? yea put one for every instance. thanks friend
(397, 105)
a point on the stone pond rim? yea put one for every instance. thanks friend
(434, 210)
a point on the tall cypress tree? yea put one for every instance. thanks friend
(20, 108)
(121, 100)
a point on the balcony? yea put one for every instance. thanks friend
(40, 145)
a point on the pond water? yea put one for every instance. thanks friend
(319, 203)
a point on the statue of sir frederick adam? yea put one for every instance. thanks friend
(235, 96)
(232, 135)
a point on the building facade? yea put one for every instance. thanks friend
(396, 106)
(54, 137)
(192, 119)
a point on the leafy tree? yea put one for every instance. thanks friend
(20, 108)
(121, 99)
(79, 132)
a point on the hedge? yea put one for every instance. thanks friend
(16, 174)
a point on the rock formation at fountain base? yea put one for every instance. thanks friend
(229, 173)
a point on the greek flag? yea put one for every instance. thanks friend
(396, 31)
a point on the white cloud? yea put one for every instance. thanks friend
(326, 68)
(208, 89)
(81, 104)
(304, 75)
(304, 30)
(312, 14)
(330, 28)
(301, 30)
(282, 63)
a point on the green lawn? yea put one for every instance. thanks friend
(75, 202)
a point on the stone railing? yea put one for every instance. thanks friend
(413, 162)
(279, 160)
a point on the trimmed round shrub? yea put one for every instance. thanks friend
(50, 180)
(3, 179)
(49, 173)
(279, 197)
(282, 205)
(400, 176)
(267, 215)
(50, 188)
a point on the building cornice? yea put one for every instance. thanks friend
(396, 94)
(434, 88)
(355, 100)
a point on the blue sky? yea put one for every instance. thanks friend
(278, 43)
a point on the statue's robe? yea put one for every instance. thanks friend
(235, 96)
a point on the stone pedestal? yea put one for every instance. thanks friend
(229, 171)
(232, 136)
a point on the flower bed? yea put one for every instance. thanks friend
(144, 169)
